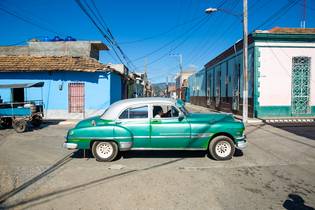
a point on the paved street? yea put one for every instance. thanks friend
(275, 172)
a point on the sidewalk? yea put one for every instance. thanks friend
(61, 121)
(196, 108)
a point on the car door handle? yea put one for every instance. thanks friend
(155, 120)
(118, 122)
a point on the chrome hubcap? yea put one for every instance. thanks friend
(104, 149)
(223, 149)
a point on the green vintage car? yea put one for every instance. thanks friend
(156, 124)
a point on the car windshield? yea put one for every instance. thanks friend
(104, 112)
(184, 110)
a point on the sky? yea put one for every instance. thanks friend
(151, 33)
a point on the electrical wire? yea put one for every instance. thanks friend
(205, 44)
(79, 3)
(273, 17)
(26, 20)
(170, 42)
(276, 15)
(162, 33)
(192, 31)
(101, 20)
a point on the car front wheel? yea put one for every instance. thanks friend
(222, 148)
(104, 151)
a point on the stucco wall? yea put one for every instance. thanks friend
(197, 84)
(276, 71)
(101, 89)
(228, 70)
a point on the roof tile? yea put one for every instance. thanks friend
(50, 63)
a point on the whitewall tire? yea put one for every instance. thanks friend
(222, 148)
(105, 151)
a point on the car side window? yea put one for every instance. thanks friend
(135, 113)
(165, 111)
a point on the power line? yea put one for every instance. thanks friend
(162, 33)
(79, 3)
(273, 17)
(14, 14)
(105, 26)
(102, 19)
(98, 16)
(204, 44)
(170, 42)
(182, 42)
(279, 13)
(166, 54)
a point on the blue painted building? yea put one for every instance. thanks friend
(76, 85)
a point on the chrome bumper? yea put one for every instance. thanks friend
(70, 145)
(241, 143)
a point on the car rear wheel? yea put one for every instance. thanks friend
(19, 125)
(222, 148)
(105, 151)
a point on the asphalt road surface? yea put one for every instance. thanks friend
(276, 171)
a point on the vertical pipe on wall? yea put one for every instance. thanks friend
(245, 64)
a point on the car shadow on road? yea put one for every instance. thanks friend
(153, 154)
(162, 154)
(80, 154)
(295, 202)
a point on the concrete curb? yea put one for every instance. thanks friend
(251, 121)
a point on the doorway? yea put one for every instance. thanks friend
(76, 97)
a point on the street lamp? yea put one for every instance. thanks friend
(245, 56)
(212, 10)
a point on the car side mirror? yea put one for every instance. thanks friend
(181, 116)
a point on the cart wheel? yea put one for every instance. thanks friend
(6, 122)
(20, 126)
(36, 120)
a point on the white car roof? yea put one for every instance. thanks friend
(116, 108)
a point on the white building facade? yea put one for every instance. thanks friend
(281, 75)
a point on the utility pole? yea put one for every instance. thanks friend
(245, 63)
(180, 63)
(245, 54)
(303, 21)
(145, 65)
(146, 75)
(180, 56)
(167, 86)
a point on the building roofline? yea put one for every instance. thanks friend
(99, 45)
(275, 34)
(53, 64)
